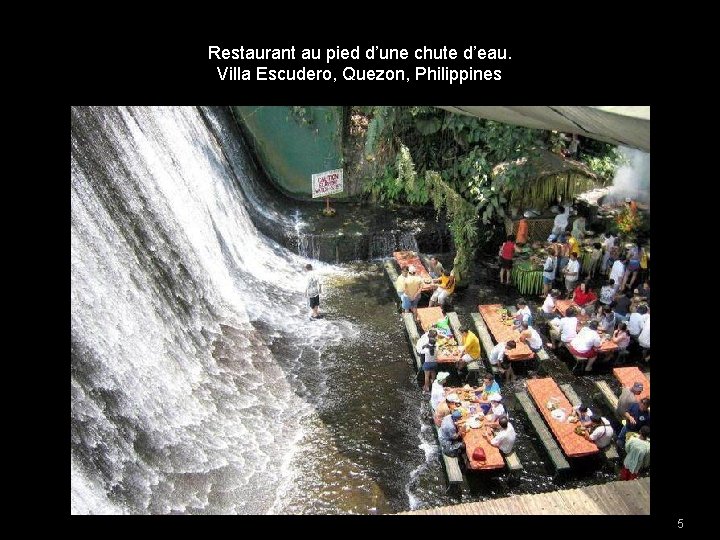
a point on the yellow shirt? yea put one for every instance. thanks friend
(400, 284)
(444, 280)
(472, 345)
(574, 245)
(413, 284)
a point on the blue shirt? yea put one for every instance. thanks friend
(494, 387)
(642, 418)
(448, 431)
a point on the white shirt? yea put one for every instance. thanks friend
(550, 262)
(644, 337)
(561, 220)
(635, 323)
(496, 411)
(617, 271)
(497, 353)
(607, 293)
(572, 267)
(424, 340)
(586, 340)
(609, 243)
(602, 435)
(505, 439)
(535, 341)
(549, 304)
(313, 286)
(437, 394)
(524, 313)
(567, 327)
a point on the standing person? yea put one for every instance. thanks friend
(595, 259)
(637, 416)
(617, 272)
(411, 292)
(435, 268)
(313, 288)
(400, 281)
(470, 348)
(637, 455)
(632, 268)
(560, 222)
(635, 324)
(522, 232)
(644, 339)
(578, 228)
(644, 262)
(571, 272)
(507, 251)
(608, 245)
(549, 271)
(628, 396)
(563, 257)
(621, 306)
(430, 364)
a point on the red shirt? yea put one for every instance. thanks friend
(508, 250)
(582, 298)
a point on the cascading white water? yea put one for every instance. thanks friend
(178, 404)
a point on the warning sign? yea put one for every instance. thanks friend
(327, 183)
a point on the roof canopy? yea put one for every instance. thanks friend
(628, 126)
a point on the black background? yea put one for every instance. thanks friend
(561, 64)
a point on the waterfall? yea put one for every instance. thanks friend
(178, 404)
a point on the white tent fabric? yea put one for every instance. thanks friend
(628, 126)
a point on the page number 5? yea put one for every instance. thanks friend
(680, 524)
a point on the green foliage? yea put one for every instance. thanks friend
(450, 160)
(605, 165)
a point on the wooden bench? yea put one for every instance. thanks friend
(608, 394)
(610, 451)
(556, 456)
(485, 340)
(513, 462)
(412, 333)
(452, 465)
(392, 275)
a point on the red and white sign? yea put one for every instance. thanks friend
(327, 183)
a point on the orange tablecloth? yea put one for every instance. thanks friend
(429, 316)
(448, 354)
(574, 445)
(504, 332)
(562, 305)
(474, 438)
(629, 376)
(406, 258)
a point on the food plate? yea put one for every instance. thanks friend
(473, 423)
